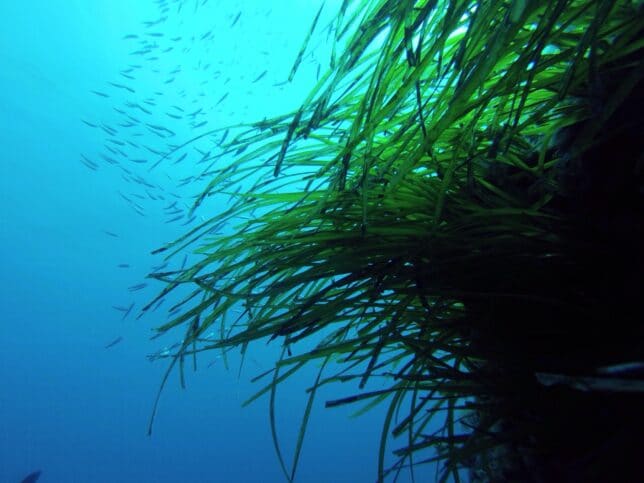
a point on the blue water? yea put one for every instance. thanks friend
(68, 406)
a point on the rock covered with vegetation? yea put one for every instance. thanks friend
(457, 207)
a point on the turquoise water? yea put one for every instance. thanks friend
(90, 94)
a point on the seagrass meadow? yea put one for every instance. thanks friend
(457, 209)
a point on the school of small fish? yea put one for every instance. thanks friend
(181, 82)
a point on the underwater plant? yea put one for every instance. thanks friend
(456, 208)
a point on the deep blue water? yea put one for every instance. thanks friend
(68, 406)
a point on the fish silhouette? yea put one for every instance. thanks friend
(112, 344)
(31, 477)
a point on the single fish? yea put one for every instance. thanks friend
(89, 163)
(160, 267)
(109, 130)
(158, 304)
(156, 127)
(260, 76)
(236, 19)
(122, 86)
(181, 158)
(136, 287)
(141, 52)
(129, 309)
(31, 477)
(189, 221)
(178, 217)
(112, 344)
(222, 99)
